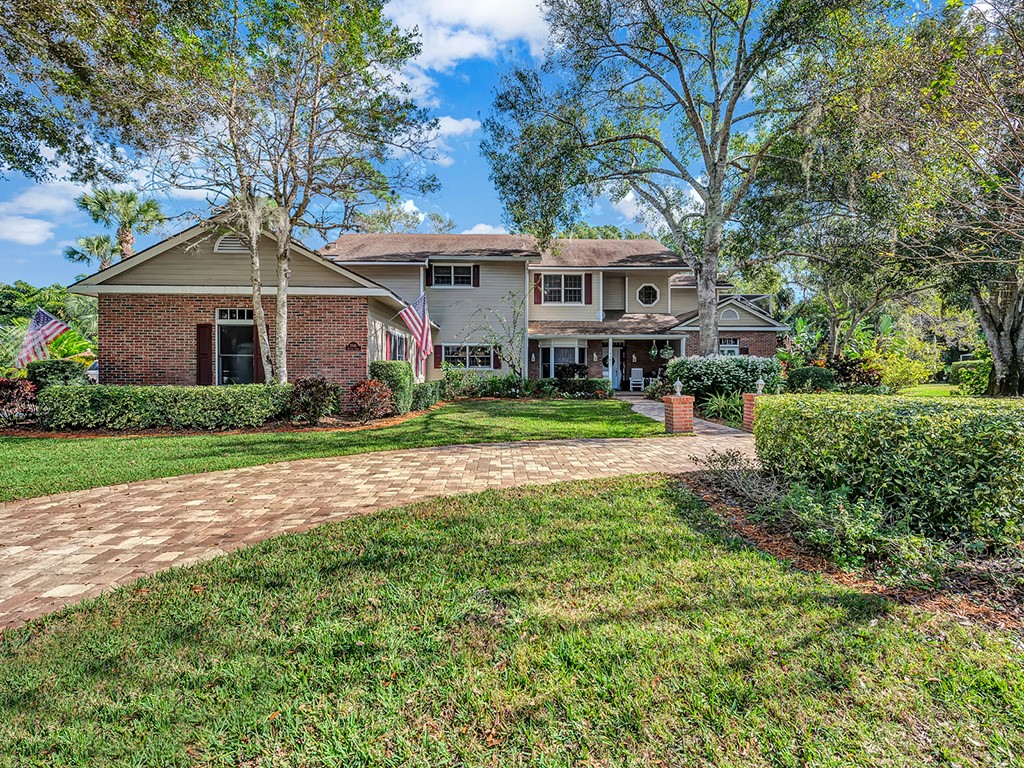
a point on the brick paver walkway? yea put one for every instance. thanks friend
(56, 550)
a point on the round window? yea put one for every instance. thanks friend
(648, 295)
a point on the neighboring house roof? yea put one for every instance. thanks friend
(417, 248)
(614, 324)
(687, 280)
(566, 254)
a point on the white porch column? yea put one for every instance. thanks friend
(611, 375)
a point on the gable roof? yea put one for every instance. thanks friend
(567, 254)
(417, 248)
(687, 280)
(689, 321)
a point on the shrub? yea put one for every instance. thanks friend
(113, 407)
(17, 401)
(706, 376)
(459, 382)
(858, 370)
(973, 381)
(900, 372)
(568, 371)
(371, 399)
(509, 385)
(657, 389)
(425, 395)
(952, 470)
(585, 389)
(397, 375)
(811, 379)
(956, 368)
(312, 398)
(46, 373)
(546, 388)
(725, 407)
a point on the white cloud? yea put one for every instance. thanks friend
(485, 229)
(24, 230)
(451, 128)
(410, 207)
(55, 199)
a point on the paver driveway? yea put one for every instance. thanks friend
(58, 549)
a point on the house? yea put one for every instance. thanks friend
(180, 312)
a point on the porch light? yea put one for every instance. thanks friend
(678, 387)
(634, 358)
(595, 357)
(533, 357)
(760, 385)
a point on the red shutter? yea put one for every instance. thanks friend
(538, 295)
(204, 354)
(438, 356)
(588, 288)
(428, 278)
(476, 275)
(259, 375)
(495, 359)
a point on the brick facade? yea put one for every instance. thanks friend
(754, 343)
(151, 338)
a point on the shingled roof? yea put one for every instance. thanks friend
(417, 248)
(614, 324)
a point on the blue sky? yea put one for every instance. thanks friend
(466, 46)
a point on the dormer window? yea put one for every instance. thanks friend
(454, 275)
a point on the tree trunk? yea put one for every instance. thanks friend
(1001, 317)
(259, 315)
(707, 273)
(125, 241)
(284, 273)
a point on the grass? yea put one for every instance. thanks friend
(930, 390)
(601, 624)
(39, 466)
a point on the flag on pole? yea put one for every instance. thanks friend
(417, 320)
(43, 329)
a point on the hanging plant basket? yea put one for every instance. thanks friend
(667, 352)
(654, 350)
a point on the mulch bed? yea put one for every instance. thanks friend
(328, 424)
(970, 593)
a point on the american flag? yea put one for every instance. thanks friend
(417, 320)
(43, 329)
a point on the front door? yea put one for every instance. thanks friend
(614, 370)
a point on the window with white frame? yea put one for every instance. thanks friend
(452, 275)
(730, 314)
(648, 294)
(398, 348)
(551, 357)
(563, 289)
(477, 356)
(729, 347)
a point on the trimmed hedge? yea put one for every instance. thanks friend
(811, 379)
(397, 375)
(723, 375)
(46, 373)
(113, 407)
(954, 470)
(967, 365)
(425, 394)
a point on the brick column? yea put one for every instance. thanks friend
(678, 413)
(749, 406)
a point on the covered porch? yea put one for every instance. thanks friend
(630, 362)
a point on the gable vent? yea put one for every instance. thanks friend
(230, 244)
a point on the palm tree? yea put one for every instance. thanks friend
(97, 248)
(124, 211)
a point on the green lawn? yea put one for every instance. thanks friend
(930, 390)
(39, 466)
(583, 624)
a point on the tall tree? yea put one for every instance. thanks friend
(123, 210)
(676, 102)
(312, 115)
(80, 77)
(98, 249)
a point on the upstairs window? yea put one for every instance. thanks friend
(563, 289)
(452, 275)
(648, 295)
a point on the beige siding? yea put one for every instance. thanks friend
(195, 263)
(684, 300)
(382, 317)
(403, 279)
(463, 312)
(566, 311)
(614, 292)
(655, 278)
